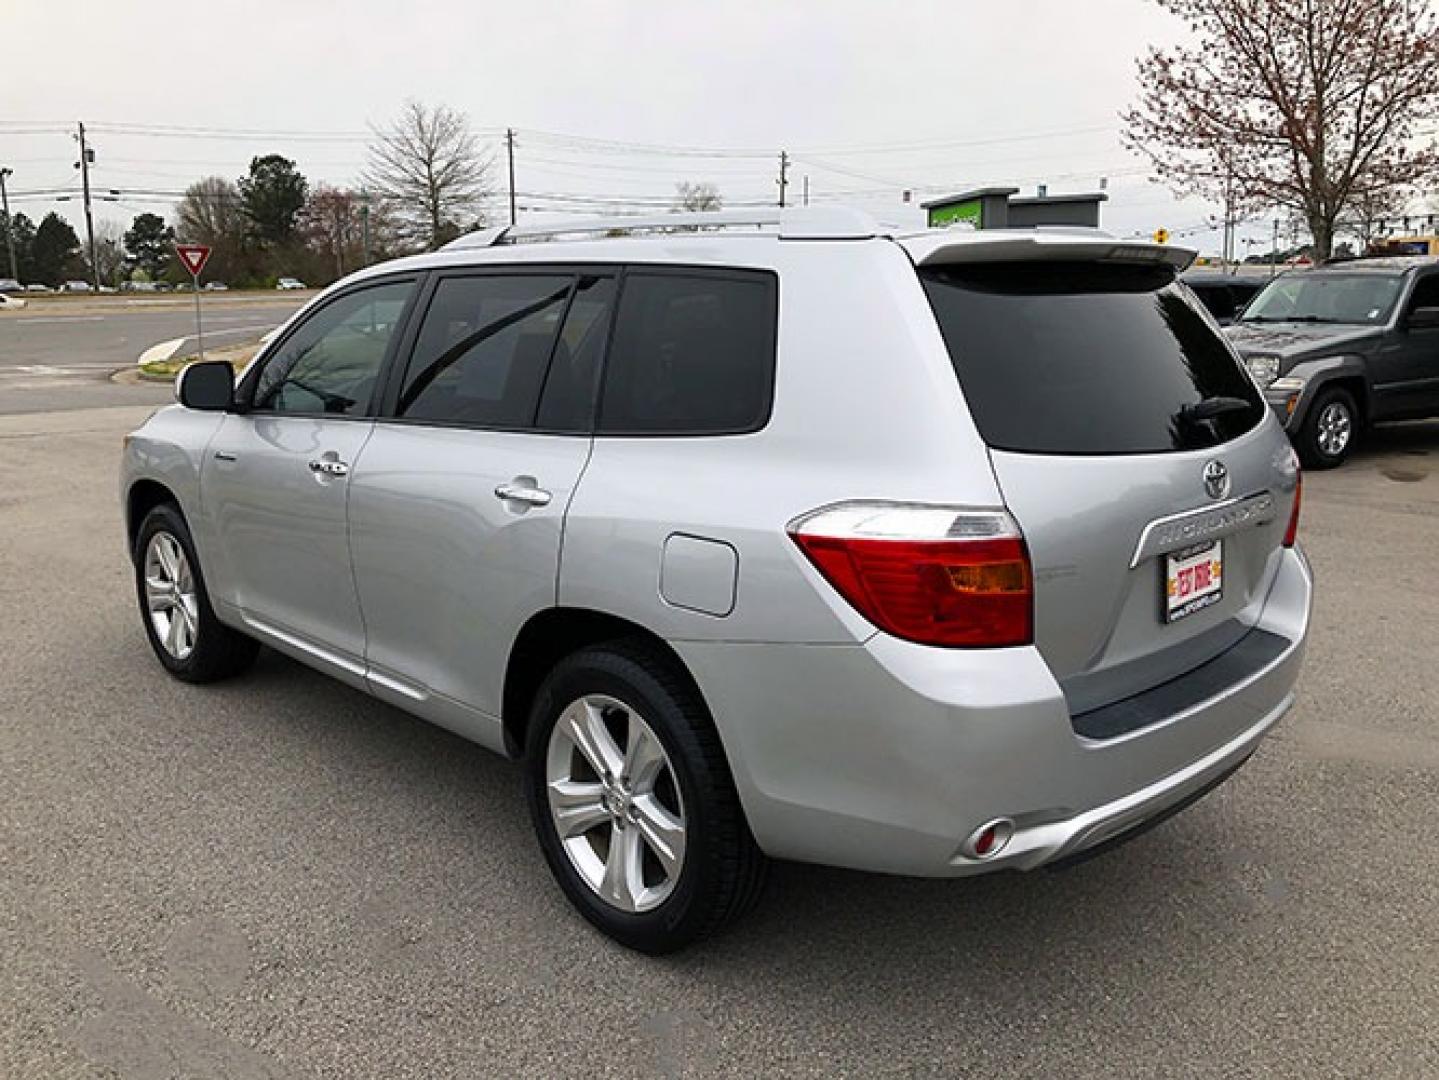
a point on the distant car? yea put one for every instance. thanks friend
(287, 283)
(76, 286)
(10, 303)
(36, 287)
(1225, 295)
(1338, 347)
(139, 286)
(10, 285)
(216, 286)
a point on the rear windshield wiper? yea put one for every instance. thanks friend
(1212, 407)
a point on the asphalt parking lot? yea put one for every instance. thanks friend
(279, 877)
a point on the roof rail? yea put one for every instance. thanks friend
(798, 223)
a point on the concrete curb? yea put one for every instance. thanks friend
(162, 351)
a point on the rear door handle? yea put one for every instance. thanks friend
(522, 493)
(329, 467)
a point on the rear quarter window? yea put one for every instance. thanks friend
(1087, 358)
(693, 353)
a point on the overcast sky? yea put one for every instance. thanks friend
(868, 97)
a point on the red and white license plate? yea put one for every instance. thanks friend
(1193, 579)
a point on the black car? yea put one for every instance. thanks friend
(1339, 347)
(1225, 295)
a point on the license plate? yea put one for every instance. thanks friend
(1193, 579)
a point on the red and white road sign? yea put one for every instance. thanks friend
(193, 256)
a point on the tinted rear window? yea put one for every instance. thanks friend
(1081, 358)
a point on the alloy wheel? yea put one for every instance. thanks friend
(1334, 429)
(615, 803)
(170, 596)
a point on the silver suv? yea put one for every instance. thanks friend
(770, 535)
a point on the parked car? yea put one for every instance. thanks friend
(811, 542)
(36, 287)
(216, 286)
(10, 285)
(287, 283)
(1225, 295)
(1339, 347)
(76, 287)
(139, 286)
(10, 303)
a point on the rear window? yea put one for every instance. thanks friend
(1083, 358)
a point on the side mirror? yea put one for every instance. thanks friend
(208, 386)
(1423, 318)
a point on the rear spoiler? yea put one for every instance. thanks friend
(941, 248)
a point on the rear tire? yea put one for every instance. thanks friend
(188, 638)
(669, 902)
(1329, 430)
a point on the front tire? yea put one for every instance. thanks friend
(633, 801)
(183, 630)
(1329, 430)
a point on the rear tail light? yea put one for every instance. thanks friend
(930, 574)
(1292, 532)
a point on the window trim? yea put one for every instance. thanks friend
(770, 278)
(400, 363)
(244, 395)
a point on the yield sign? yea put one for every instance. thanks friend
(193, 256)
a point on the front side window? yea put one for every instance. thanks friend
(1326, 297)
(483, 350)
(1426, 294)
(331, 363)
(692, 354)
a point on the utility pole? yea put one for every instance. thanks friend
(1274, 251)
(5, 221)
(1228, 219)
(783, 175)
(364, 227)
(510, 152)
(85, 157)
(806, 189)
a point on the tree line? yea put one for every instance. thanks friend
(426, 182)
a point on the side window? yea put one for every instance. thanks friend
(692, 354)
(331, 362)
(567, 402)
(484, 348)
(1426, 294)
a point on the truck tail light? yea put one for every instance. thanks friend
(1292, 532)
(930, 574)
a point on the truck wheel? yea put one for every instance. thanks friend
(1329, 429)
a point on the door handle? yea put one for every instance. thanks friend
(329, 467)
(523, 493)
(225, 455)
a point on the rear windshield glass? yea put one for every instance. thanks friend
(1081, 358)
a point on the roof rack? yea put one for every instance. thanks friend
(798, 223)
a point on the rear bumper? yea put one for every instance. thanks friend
(886, 756)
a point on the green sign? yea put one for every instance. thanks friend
(954, 213)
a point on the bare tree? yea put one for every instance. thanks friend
(212, 213)
(429, 167)
(1312, 105)
(697, 197)
(109, 251)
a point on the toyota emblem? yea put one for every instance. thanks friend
(1216, 480)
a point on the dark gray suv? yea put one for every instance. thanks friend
(1341, 346)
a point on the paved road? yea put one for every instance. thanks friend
(59, 355)
(282, 877)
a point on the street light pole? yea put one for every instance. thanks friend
(5, 221)
(510, 153)
(89, 218)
